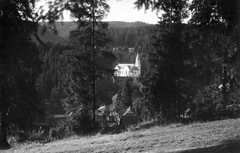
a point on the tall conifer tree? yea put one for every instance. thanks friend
(169, 60)
(89, 59)
(19, 67)
(222, 18)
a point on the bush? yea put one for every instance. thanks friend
(233, 107)
(115, 129)
(37, 134)
(80, 122)
(22, 137)
(61, 130)
(209, 104)
(233, 110)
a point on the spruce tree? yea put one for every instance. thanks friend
(19, 67)
(214, 48)
(78, 71)
(89, 41)
(118, 102)
(127, 94)
(87, 62)
(222, 18)
(169, 61)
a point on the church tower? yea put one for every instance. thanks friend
(138, 63)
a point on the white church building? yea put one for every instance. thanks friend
(129, 70)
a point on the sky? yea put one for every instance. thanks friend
(121, 10)
(125, 10)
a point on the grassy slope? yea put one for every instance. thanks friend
(154, 139)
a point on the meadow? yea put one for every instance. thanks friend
(218, 136)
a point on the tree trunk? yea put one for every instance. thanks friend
(3, 132)
(3, 123)
(178, 100)
(224, 76)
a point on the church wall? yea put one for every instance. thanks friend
(126, 71)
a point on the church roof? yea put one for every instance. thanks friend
(129, 112)
(122, 66)
(135, 68)
(129, 67)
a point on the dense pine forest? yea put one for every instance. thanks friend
(189, 70)
(124, 36)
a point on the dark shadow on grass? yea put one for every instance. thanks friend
(116, 129)
(231, 146)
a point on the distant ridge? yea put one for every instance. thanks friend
(127, 24)
(64, 27)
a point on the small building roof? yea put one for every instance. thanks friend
(129, 112)
(117, 67)
(122, 66)
(106, 108)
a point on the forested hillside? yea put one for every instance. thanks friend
(63, 28)
(127, 39)
(124, 37)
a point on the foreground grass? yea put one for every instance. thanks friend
(172, 138)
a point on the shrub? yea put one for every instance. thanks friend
(115, 129)
(80, 122)
(22, 137)
(209, 104)
(233, 107)
(61, 130)
(37, 134)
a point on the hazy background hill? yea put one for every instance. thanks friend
(64, 27)
(130, 34)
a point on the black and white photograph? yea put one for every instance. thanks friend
(119, 76)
